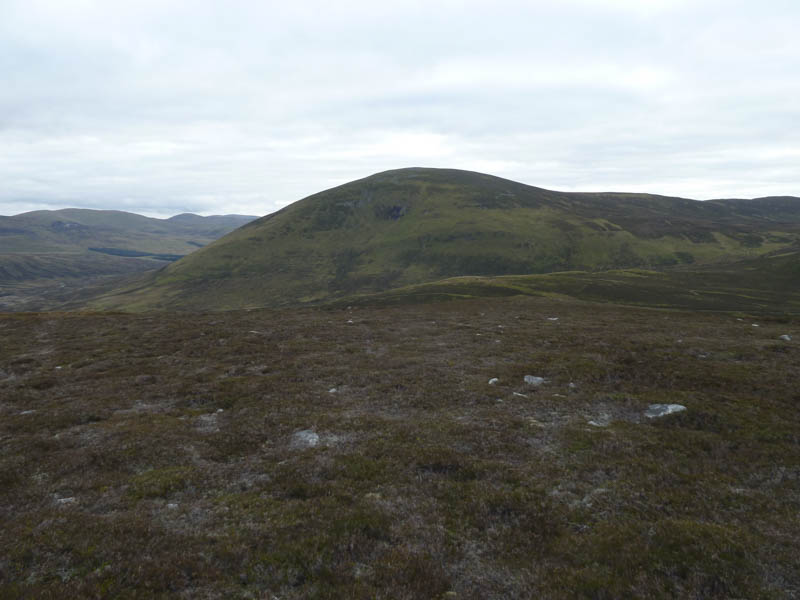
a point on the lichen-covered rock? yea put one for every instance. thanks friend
(306, 438)
(655, 411)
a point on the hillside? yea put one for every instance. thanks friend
(412, 226)
(769, 284)
(43, 251)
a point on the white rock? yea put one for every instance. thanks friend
(207, 423)
(786, 337)
(552, 318)
(756, 325)
(27, 412)
(493, 381)
(350, 321)
(306, 438)
(534, 380)
(572, 385)
(64, 501)
(660, 410)
(172, 506)
(333, 390)
(520, 395)
(603, 420)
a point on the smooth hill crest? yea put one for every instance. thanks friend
(418, 225)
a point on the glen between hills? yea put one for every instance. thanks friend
(48, 255)
(417, 226)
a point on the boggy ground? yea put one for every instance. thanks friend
(155, 455)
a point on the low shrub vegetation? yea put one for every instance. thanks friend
(362, 453)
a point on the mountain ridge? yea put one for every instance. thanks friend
(409, 226)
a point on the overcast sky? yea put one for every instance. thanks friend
(161, 107)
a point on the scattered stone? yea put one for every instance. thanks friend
(207, 423)
(144, 380)
(572, 386)
(65, 501)
(306, 438)
(552, 318)
(786, 337)
(172, 506)
(27, 412)
(59, 368)
(350, 321)
(520, 395)
(756, 325)
(604, 420)
(333, 390)
(655, 411)
(219, 410)
(494, 381)
(534, 380)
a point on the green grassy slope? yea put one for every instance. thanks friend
(411, 226)
(767, 284)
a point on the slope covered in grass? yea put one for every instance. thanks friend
(411, 226)
(145, 456)
(767, 284)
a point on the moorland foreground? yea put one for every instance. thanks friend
(362, 453)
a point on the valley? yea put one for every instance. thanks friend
(50, 257)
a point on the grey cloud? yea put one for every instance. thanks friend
(246, 106)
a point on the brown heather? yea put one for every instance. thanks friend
(151, 456)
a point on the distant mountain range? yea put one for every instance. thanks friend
(78, 242)
(417, 226)
(45, 250)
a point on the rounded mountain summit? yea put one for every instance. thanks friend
(416, 225)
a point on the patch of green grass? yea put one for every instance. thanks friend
(160, 483)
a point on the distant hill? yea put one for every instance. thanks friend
(79, 244)
(411, 226)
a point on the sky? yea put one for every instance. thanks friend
(161, 107)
